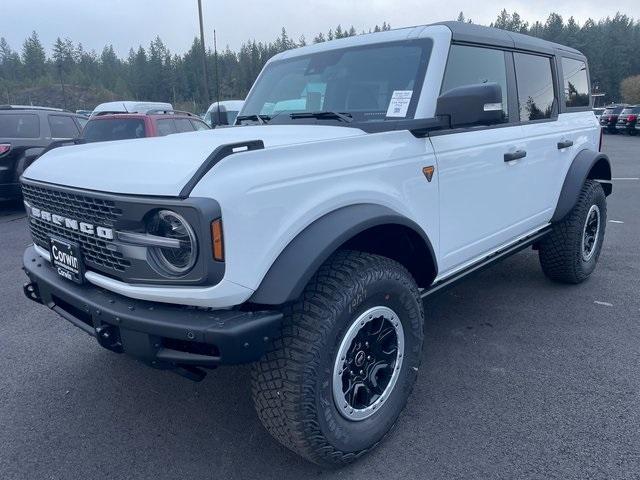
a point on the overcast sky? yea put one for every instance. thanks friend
(126, 23)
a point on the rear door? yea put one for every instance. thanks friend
(557, 123)
(481, 195)
(543, 134)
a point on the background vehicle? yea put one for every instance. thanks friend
(154, 123)
(372, 172)
(609, 118)
(598, 112)
(25, 131)
(223, 113)
(130, 106)
(628, 119)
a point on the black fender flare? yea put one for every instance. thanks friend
(303, 256)
(586, 165)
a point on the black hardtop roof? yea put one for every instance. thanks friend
(472, 33)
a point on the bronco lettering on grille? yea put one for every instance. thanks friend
(69, 223)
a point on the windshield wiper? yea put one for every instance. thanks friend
(345, 117)
(261, 119)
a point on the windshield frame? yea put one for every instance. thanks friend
(283, 118)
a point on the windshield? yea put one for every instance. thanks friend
(627, 111)
(105, 130)
(369, 83)
(612, 111)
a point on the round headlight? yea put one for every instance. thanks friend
(180, 257)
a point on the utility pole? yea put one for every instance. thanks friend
(204, 56)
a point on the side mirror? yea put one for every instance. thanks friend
(471, 105)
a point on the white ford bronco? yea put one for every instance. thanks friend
(363, 175)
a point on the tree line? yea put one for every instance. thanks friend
(155, 73)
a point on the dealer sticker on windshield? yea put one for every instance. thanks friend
(399, 104)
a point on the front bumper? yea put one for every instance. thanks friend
(161, 335)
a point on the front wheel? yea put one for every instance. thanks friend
(333, 385)
(569, 254)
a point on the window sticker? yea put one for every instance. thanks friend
(399, 104)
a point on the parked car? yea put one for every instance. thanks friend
(25, 131)
(371, 173)
(609, 118)
(628, 119)
(223, 113)
(86, 113)
(152, 123)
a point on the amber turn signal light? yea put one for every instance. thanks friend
(217, 240)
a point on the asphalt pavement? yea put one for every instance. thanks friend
(521, 378)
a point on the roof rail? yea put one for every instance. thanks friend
(32, 107)
(157, 111)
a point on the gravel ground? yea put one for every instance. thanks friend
(521, 378)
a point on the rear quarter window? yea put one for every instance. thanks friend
(576, 83)
(22, 125)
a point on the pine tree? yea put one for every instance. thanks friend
(33, 58)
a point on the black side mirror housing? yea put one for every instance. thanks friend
(472, 105)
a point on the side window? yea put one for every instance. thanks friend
(165, 127)
(183, 125)
(536, 93)
(19, 125)
(473, 65)
(63, 127)
(198, 125)
(576, 84)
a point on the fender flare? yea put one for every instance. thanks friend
(586, 165)
(303, 256)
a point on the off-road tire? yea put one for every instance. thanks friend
(292, 384)
(561, 251)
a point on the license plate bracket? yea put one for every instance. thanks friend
(66, 258)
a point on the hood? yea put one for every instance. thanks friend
(161, 165)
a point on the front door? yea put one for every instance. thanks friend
(483, 180)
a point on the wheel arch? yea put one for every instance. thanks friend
(366, 227)
(587, 165)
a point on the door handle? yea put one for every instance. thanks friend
(510, 157)
(565, 144)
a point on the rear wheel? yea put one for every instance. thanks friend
(570, 253)
(335, 382)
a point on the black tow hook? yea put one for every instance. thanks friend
(31, 292)
(108, 336)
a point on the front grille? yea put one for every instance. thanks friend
(98, 253)
(72, 205)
